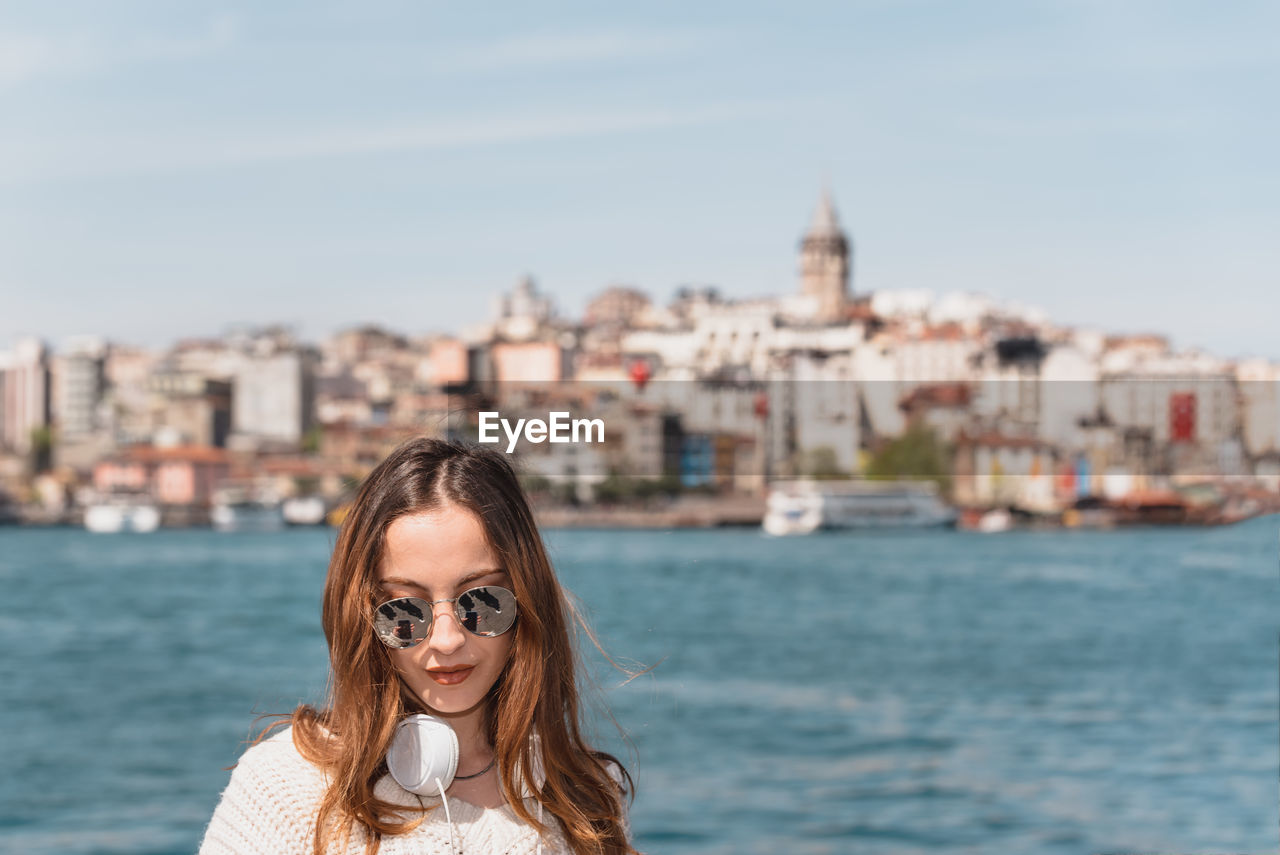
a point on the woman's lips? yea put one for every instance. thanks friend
(452, 676)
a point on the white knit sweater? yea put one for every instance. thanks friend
(270, 808)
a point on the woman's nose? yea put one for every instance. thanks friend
(446, 633)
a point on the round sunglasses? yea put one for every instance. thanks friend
(406, 621)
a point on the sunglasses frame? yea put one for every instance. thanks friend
(428, 607)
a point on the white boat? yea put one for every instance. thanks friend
(304, 510)
(995, 521)
(112, 516)
(802, 507)
(246, 509)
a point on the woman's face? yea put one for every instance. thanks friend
(436, 555)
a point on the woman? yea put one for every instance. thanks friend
(439, 600)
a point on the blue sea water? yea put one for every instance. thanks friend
(940, 692)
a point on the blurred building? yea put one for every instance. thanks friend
(531, 361)
(1188, 404)
(182, 475)
(520, 314)
(1009, 384)
(993, 469)
(941, 407)
(217, 358)
(1070, 396)
(190, 409)
(25, 394)
(448, 362)
(1259, 383)
(342, 399)
(608, 317)
(619, 307)
(79, 384)
(825, 263)
(273, 397)
(364, 342)
(128, 404)
(361, 447)
(84, 426)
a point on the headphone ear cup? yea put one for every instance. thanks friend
(423, 750)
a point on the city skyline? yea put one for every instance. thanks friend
(173, 173)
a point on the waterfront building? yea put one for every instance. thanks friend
(1188, 403)
(184, 475)
(996, 470)
(1259, 384)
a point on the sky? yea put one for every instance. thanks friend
(170, 170)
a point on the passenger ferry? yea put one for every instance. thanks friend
(802, 507)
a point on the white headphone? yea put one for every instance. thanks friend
(423, 759)
(424, 755)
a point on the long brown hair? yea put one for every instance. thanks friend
(537, 691)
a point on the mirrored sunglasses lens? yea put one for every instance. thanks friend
(486, 611)
(403, 622)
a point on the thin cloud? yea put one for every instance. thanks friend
(1102, 49)
(543, 49)
(218, 34)
(158, 156)
(25, 57)
(1084, 124)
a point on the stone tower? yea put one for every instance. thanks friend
(825, 262)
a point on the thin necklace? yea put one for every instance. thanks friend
(477, 774)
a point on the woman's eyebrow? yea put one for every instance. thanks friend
(409, 583)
